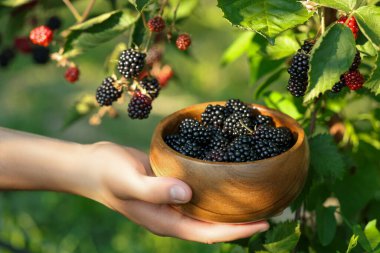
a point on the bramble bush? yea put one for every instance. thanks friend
(327, 51)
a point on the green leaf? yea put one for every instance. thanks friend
(267, 80)
(344, 5)
(138, 32)
(282, 103)
(353, 243)
(285, 45)
(374, 81)
(331, 56)
(237, 48)
(326, 224)
(368, 18)
(325, 157)
(113, 58)
(13, 3)
(98, 30)
(140, 4)
(267, 17)
(363, 241)
(372, 234)
(283, 237)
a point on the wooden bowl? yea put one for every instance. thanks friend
(233, 192)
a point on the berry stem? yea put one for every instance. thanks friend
(87, 11)
(172, 26)
(245, 126)
(323, 21)
(163, 5)
(314, 115)
(73, 10)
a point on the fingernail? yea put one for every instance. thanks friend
(264, 229)
(178, 194)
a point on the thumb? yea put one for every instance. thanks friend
(162, 190)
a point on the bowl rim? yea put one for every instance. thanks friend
(160, 127)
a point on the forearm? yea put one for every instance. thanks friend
(32, 162)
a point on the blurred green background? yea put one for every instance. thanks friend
(37, 99)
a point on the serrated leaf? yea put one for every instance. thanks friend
(353, 243)
(97, 31)
(368, 18)
(331, 56)
(283, 237)
(374, 81)
(13, 3)
(363, 241)
(267, 17)
(237, 48)
(326, 160)
(372, 234)
(285, 45)
(326, 224)
(140, 4)
(344, 5)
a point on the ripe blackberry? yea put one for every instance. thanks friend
(6, 56)
(140, 106)
(107, 93)
(233, 125)
(352, 24)
(240, 149)
(192, 149)
(214, 115)
(41, 36)
(339, 85)
(192, 130)
(233, 105)
(183, 41)
(216, 155)
(354, 80)
(151, 86)
(218, 140)
(263, 120)
(281, 137)
(23, 44)
(357, 61)
(131, 63)
(298, 71)
(156, 24)
(265, 149)
(72, 74)
(40, 55)
(54, 23)
(307, 46)
(175, 141)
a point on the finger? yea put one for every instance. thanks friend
(160, 190)
(164, 220)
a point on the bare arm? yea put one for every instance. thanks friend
(116, 176)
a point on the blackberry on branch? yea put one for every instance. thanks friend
(307, 46)
(107, 93)
(151, 86)
(298, 71)
(131, 63)
(339, 85)
(357, 61)
(54, 23)
(139, 106)
(214, 115)
(6, 56)
(40, 55)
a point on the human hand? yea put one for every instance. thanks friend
(127, 185)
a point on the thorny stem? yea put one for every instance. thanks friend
(73, 10)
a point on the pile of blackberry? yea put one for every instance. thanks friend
(234, 132)
(143, 90)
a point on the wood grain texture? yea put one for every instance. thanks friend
(233, 192)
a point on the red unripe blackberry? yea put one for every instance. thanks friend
(165, 74)
(41, 35)
(183, 41)
(23, 45)
(131, 63)
(41, 55)
(140, 106)
(151, 86)
(156, 24)
(352, 24)
(72, 74)
(354, 80)
(107, 93)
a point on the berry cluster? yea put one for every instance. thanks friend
(234, 132)
(299, 68)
